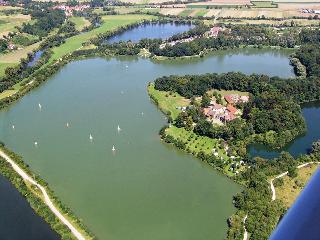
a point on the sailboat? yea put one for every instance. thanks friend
(67, 125)
(119, 129)
(12, 126)
(90, 137)
(113, 148)
(40, 107)
(36, 144)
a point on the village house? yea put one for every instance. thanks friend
(11, 46)
(236, 98)
(214, 31)
(68, 10)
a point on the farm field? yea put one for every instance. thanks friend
(80, 22)
(291, 188)
(298, 22)
(110, 23)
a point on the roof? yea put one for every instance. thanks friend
(231, 109)
(228, 98)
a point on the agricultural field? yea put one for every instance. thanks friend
(80, 22)
(9, 23)
(297, 22)
(186, 12)
(292, 187)
(264, 4)
(171, 11)
(110, 23)
(168, 102)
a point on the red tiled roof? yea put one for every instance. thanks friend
(231, 109)
(228, 98)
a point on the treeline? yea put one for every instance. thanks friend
(198, 30)
(234, 36)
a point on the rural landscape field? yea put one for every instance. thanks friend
(159, 119)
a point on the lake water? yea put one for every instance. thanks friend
(152, 30)
(302, 144)
(35, 58)
(17, 218)
(145, 189)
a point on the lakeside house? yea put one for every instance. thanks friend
(219, 114)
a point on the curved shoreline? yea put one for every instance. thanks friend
(47, 199)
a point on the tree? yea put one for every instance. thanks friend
(189, 123)
(205, 101)
(316, 147)
(292, 172)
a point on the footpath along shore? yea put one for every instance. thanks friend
(47, 199)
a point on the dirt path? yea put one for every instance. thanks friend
(47, 199)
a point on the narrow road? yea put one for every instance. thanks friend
(47, 199)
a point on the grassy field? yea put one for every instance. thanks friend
(195, 143)
(9, 23)
(110, 23)
(167, 101)
(3, 66)
(200, 13)
(80, 22)
(186, 12)
(291, 188)
(15, 56)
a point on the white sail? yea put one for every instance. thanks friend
(40, 107)
(113, 148)
(67, 124)
(36, 143)
(119, 129)
(90, 137)
(12, 126)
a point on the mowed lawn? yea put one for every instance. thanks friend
(80, 22)
(168, 102)
(110, 23)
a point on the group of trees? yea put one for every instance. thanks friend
(45, 21)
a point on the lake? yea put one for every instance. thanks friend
(300, 145)
(150, 30)
(18, 220)
(145, 189)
